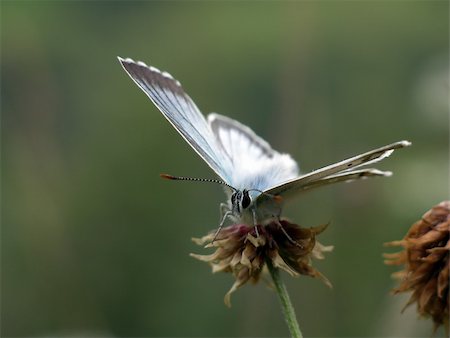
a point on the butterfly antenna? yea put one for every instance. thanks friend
(195, 179)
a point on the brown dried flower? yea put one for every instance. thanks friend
(426, 259)
(243, 251)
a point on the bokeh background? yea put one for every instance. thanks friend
(94, 243)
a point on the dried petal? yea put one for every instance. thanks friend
(425, 256)
(243, 251)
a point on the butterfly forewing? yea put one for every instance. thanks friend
(179, 109)
(240, 157)
(345, 167)
(346, 176)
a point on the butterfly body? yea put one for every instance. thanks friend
(257, 178)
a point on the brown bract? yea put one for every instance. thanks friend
(425, 257)
(243, 252)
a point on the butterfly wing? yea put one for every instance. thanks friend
(336, 172)
(255, 164)
(179, 109)
(345, 177)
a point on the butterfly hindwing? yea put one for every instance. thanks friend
(236, 138)
(255, 164)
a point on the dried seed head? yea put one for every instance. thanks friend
(243, 251)
(425, 257)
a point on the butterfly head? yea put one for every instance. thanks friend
(240, 200)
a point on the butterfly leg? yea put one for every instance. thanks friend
(224, 217)
(255, 223)
(223, 208)
(277, 221)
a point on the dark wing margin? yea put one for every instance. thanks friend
(337, 172)
(179, 109)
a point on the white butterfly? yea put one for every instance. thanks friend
(259, 179)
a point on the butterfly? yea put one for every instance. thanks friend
(257, 178)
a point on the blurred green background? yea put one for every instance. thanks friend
(94, 243)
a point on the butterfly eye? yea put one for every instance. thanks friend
(246, 200)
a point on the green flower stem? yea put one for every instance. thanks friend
(286, 305)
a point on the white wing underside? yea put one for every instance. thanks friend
(346, 170)
(255, 164)
(179, 109)
(235, 153)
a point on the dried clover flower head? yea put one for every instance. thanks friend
(426, 260)
(243, 251)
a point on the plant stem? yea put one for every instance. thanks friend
(286, 305)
